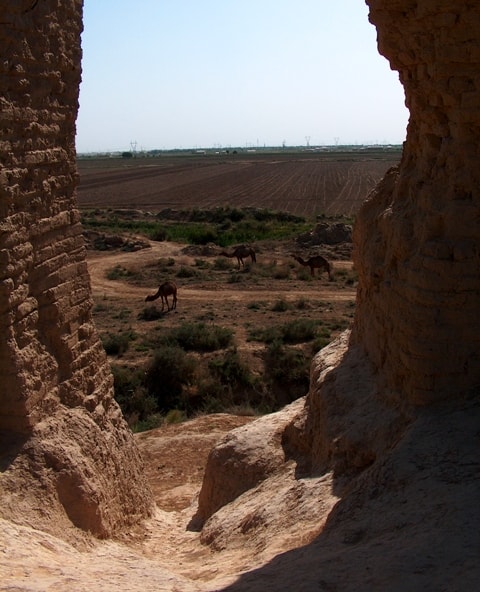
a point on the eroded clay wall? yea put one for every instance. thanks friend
(46, 338)
(418, 237)
(56, 389)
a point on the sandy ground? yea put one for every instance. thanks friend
(409, 524)
(99, 263)
(161, 554)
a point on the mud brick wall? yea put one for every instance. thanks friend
(417, 238)
(56, 388)
(47, 341)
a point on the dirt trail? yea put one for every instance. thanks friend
(100, 263)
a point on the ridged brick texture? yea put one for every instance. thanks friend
(417, 239)
(54, 375)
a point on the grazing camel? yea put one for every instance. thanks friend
(316, 262)
(241, 252)
(164, 290)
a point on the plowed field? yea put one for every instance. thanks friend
(330, 183)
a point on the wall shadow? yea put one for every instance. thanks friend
(407, 523)
(11, 444)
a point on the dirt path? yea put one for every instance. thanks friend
(100, 263)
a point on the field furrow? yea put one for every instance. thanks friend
(327, 183)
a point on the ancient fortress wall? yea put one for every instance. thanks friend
(47, 338)
(56, 391)
(418, 236)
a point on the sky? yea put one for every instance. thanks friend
(166, 74)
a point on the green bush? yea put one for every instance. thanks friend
(280, 305)
(158, 234)
(302, 304)
(165, 262)
(130, 393)
(202, 264)
(288, 366)
(201, 235)
(267, 335)
(175, 416)
(186, 272)
(201, 337)
(299, 331)
(149, 423)
(118, 273)
(322, 339)
(213, 396)
(235, 278)
(231, 371)
(203, 226)
(222, 264)
(166, 376)
(150, 313)
(116, 344)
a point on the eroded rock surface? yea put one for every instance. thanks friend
(66, 451)
(417, 238)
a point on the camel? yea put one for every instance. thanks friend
(316, 262)
(164, 290)
(241, 252)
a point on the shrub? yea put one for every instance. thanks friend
(299, 331)
(230, 370)
(288, 366)
(186, 272)
(255, 305)
(267, 335)
(122, 314)
(165, 262)
(158, 234)
(201, 235)
(130, 393)
(116, 344)
(302, 304)
(213, 397)
(304, 274)
(280, 305)
(118, 273)
(201, 337)
(170, 370)
(235, 278)
(150, 313)
(202, 264)
(175, 416)
(149, 423)
(322, 339)
(222, 264)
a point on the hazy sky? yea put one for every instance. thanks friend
(206, 73)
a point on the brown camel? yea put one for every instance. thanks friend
(164, 290)
(316, 262)
(241, 252)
